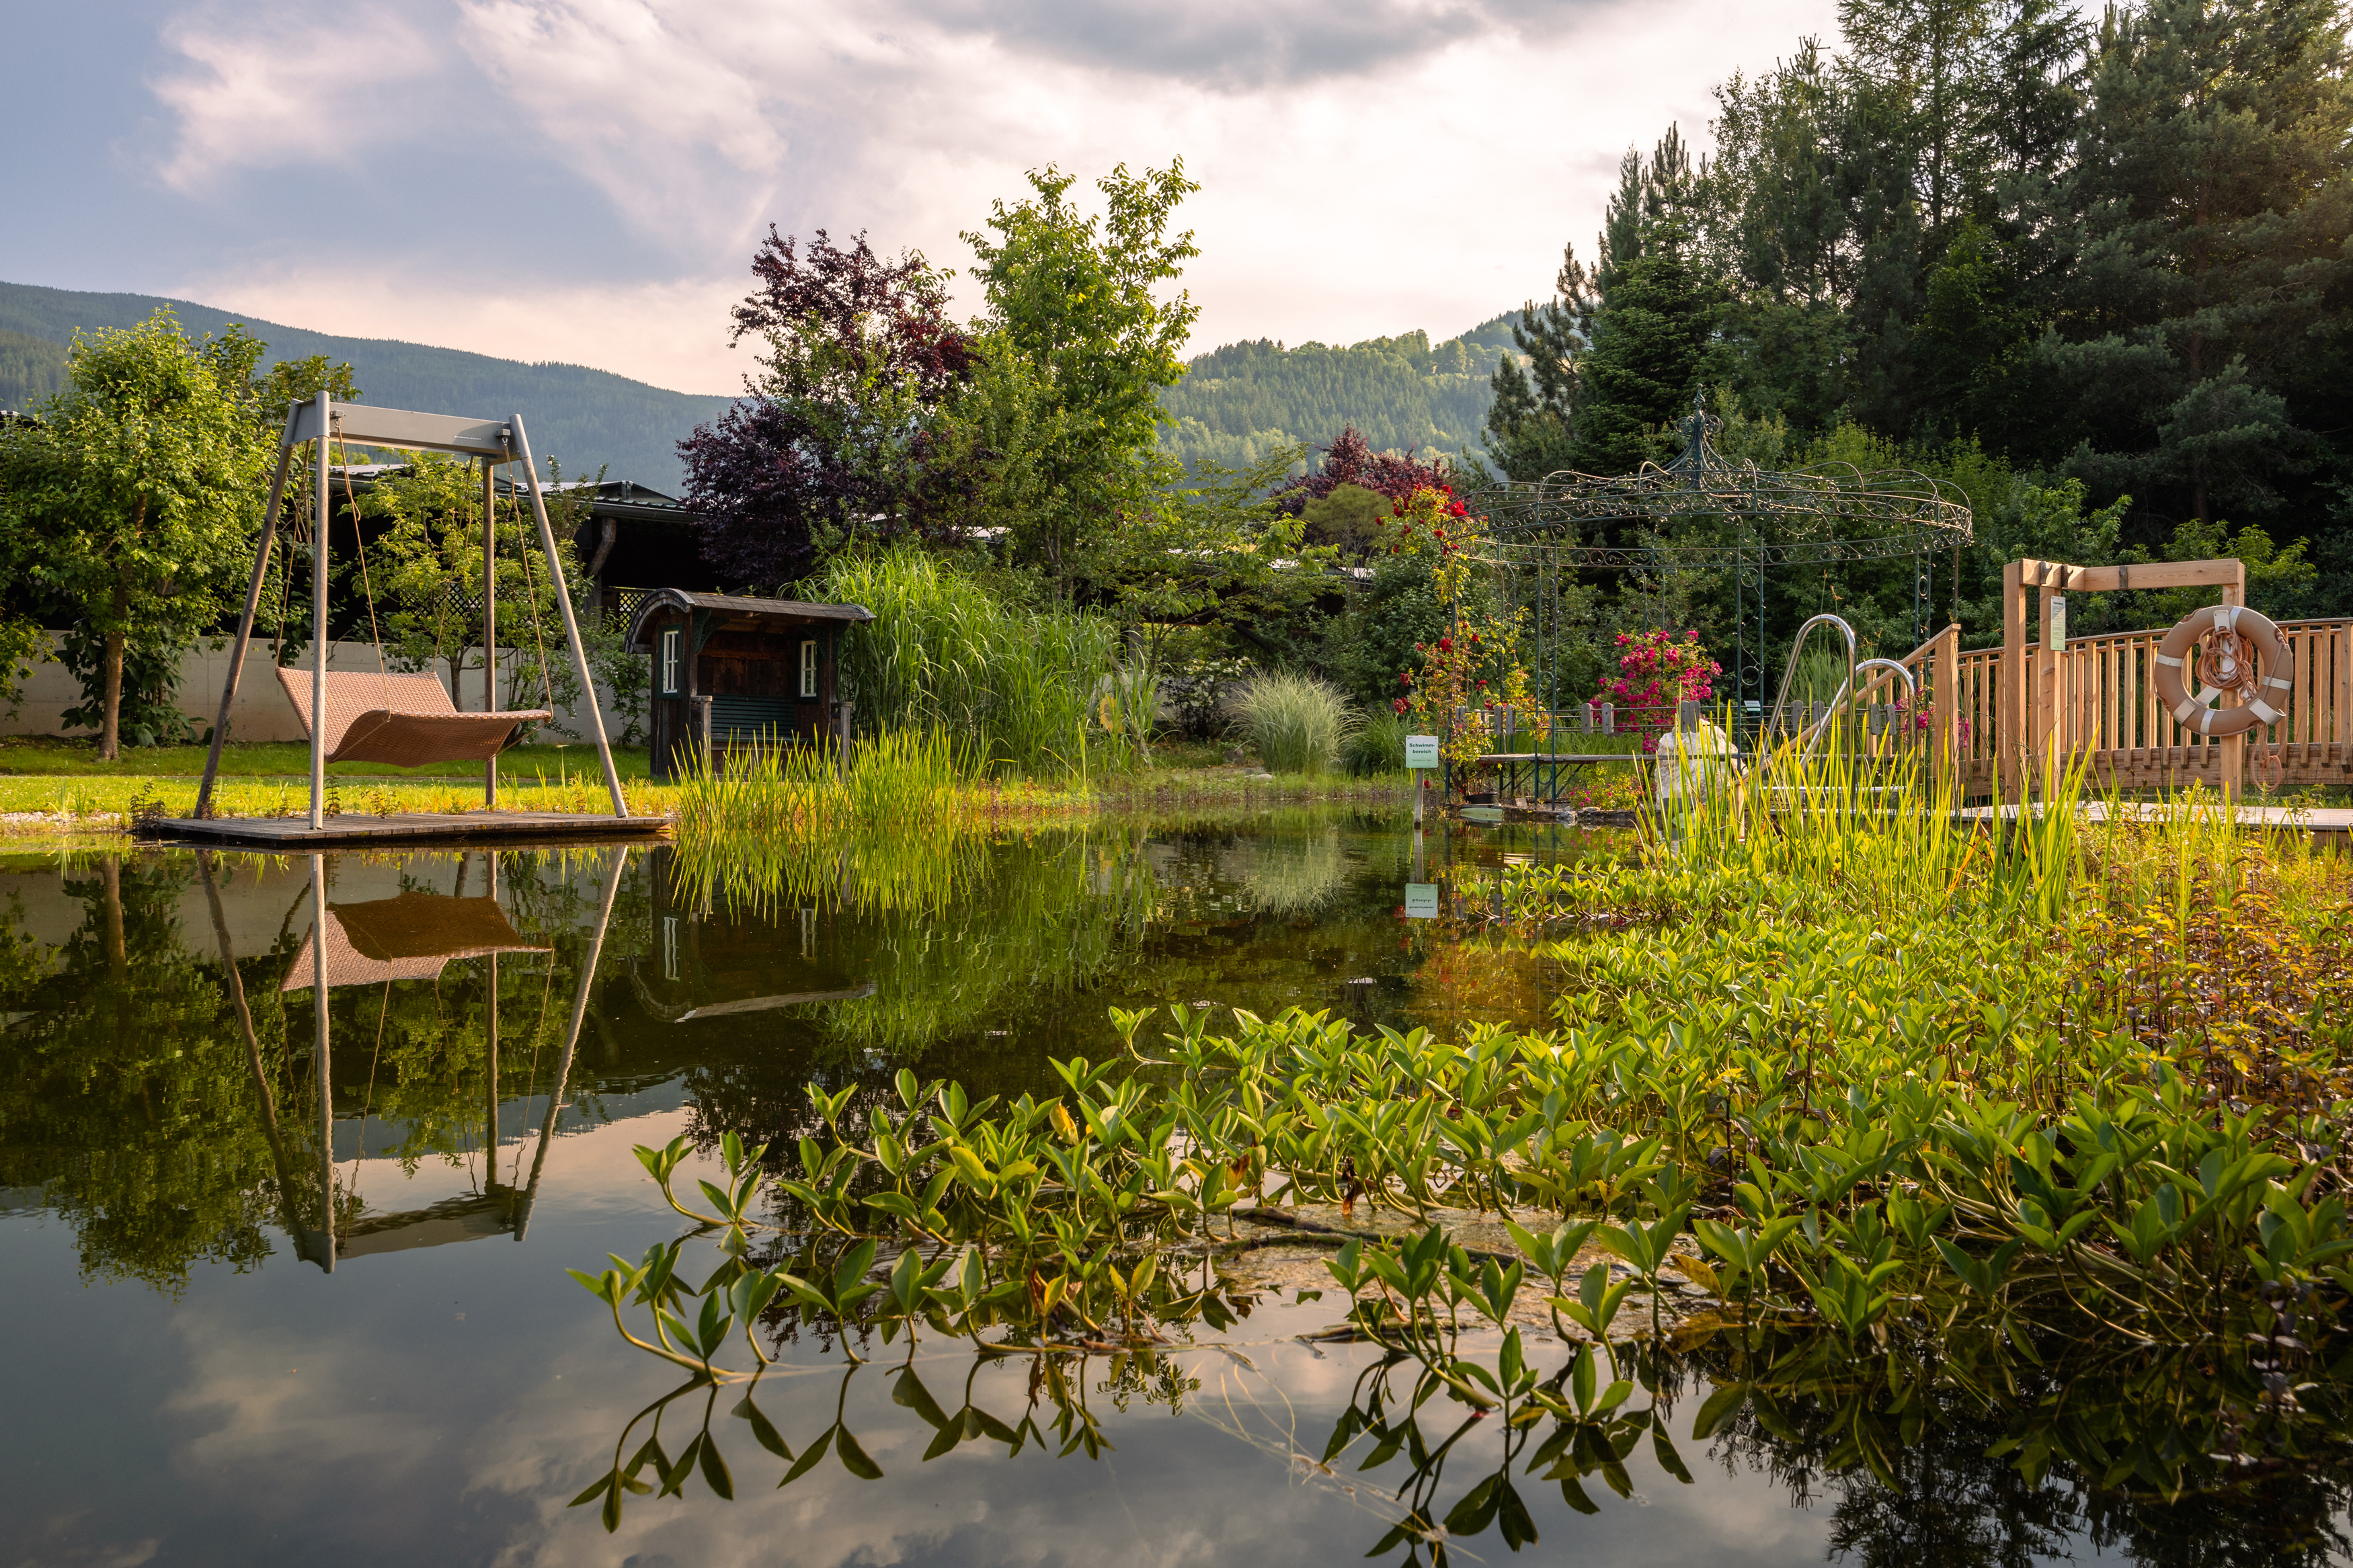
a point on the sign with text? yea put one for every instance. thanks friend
(1421, 751)
(1421, 900)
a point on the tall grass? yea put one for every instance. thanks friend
(1297, 722)
(1378, 746)
(785, 823)
(1030, 691)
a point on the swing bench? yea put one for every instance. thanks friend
(406, 719)
(403, 720)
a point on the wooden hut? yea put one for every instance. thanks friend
(732, 672)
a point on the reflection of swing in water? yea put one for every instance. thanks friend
(411, 937)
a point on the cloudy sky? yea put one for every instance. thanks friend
(584, 180)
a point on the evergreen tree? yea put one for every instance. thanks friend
(2214, 220)
(1656, 310)
(1532, 425)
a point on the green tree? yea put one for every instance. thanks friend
(134, 501)
(1083, 347)
(1532, 425)
(1218, 553)
(2203, 338)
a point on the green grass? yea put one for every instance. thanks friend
(97, 803)
(1298, 723)
(50, 757)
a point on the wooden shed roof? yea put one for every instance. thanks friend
(737, 609)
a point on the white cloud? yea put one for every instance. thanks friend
(640, 99)
(1364, 170)
(264, 90)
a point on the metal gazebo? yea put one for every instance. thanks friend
(1827, 513)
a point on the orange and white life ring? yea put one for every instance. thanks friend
(2230, 634)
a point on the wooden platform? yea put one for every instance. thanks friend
(2315, 818)
(407, 830)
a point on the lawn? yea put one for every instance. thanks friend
(22, 755)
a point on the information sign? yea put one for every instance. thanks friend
(1421, 751)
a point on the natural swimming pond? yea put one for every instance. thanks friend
(254, 1321)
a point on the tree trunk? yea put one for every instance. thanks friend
(110, 732)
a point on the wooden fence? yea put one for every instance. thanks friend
(2096, 695)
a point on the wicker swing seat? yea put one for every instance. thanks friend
(402, 720)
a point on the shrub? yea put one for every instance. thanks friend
(1297, 722)
(1378, 746)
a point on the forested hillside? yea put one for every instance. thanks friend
(585, 419)
(1240, 402)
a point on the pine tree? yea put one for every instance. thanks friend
(2216, 241)
(1532, 425)
(1656, 310)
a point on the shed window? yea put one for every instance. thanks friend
(808, 667)
(672, 638)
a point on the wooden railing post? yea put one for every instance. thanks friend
(2009, 724)
(1944, 712)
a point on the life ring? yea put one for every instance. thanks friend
(2229, 633)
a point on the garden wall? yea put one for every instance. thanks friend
(262, 711)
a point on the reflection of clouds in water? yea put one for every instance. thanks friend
(1217, 1485)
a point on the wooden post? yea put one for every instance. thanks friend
(2234, 747)
(2009, 723)
(1944, 711)
(319, 635)
(490, 629)
(245, 621)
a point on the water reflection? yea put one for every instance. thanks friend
(184, 1104)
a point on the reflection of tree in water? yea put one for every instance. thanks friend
(1930, 1477)
(127, 1092)
(125, 1089)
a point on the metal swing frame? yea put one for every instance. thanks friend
(492, 442)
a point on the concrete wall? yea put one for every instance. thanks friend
(262, 711)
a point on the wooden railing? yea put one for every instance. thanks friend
(2105, 701)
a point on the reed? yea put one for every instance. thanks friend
(780, 823)
(1034, 691)
(1297, 723)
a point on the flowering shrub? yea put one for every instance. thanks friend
(1475, 664)
(1655, 671)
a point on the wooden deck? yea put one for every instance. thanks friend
(416, 829)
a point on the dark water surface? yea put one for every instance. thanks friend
(254, 1322)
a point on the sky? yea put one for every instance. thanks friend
(586, 180)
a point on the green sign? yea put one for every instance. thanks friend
(1421, 751)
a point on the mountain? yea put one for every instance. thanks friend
(585, 419)
(1240, 400)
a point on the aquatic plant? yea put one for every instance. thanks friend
(1908, 1103)
(782, 821)
(1297, 723)
(1022, 691)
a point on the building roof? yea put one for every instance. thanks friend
(725, 607)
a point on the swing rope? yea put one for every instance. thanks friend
(531, 602)
(367, 591)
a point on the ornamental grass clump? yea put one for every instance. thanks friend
(1298, 723)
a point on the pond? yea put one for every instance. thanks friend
(288, 1281)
